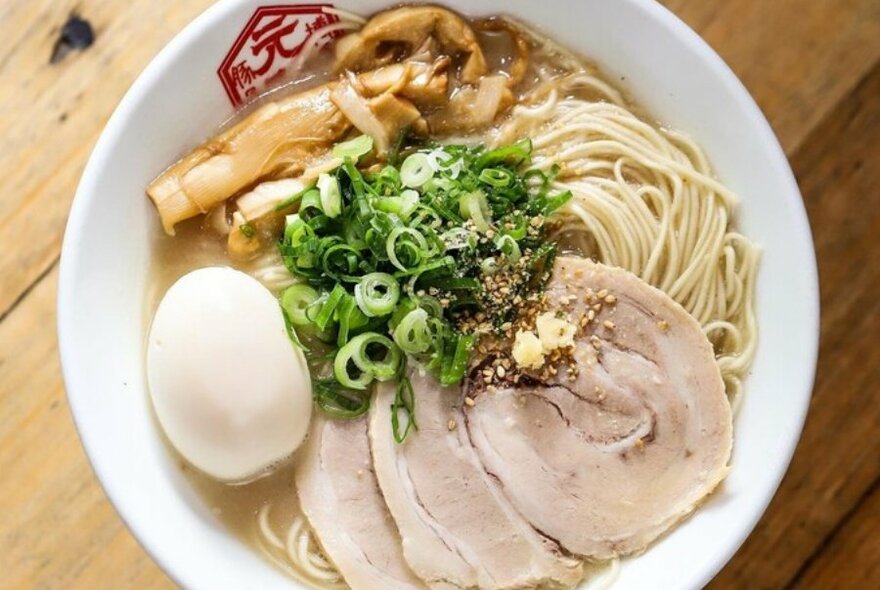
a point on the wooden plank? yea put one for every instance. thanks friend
(838, 458)
(851, 558)
(797, 58)
(52, 114)
(58, 530)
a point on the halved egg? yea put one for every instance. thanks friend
(230, 390)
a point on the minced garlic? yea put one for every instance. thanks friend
(554, 332)
(527, 350)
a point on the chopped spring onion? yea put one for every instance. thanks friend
(455, 364)
(326, 313)
(339, 402)
(413, 334)
(296, 300)
(473, 206)
(350, 319)
(416, 170)
(342, 369)
(405, 247)
(377, 294)
(404, 403)
(331, 197)
(509, 248)
(496, 177)
(388, 363)
(311, 199)
(403, 206)
(514, 155)
(437, 159)
(360, 352)
(354, 148)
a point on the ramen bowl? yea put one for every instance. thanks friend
(213, 67)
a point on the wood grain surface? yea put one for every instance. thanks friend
(812, 65)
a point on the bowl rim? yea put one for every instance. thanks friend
(216, 12)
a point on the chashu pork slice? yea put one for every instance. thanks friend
(607, 459)
(458, 529)
(341, 499)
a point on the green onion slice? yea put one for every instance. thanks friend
(331, 196)
(376, 294)
(496, 177)
(509, 247)
(405, 247)
(404, 404)
(474, 206)
(456, 359)
(339, 402)
(402, 206)
(377, 354)
(326, 314)
(416, 170)
(413, 334)
(354, 148)
(311, 199)
(296, 300)
(372, 355)
(342, 367)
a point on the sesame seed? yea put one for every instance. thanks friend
(603, 294)
(469, 401)
(611, 299)
(608, 324)
(451, 425)
(591, 315)
(663, 325)
(500, 371)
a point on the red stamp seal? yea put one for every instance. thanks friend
(270, 41)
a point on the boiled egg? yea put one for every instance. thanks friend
(230, 390)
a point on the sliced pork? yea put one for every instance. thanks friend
(606, 457)
(458, 529)
(341, 499)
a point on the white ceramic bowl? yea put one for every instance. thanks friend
(179, 100)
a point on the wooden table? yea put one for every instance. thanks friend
(814, 67)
